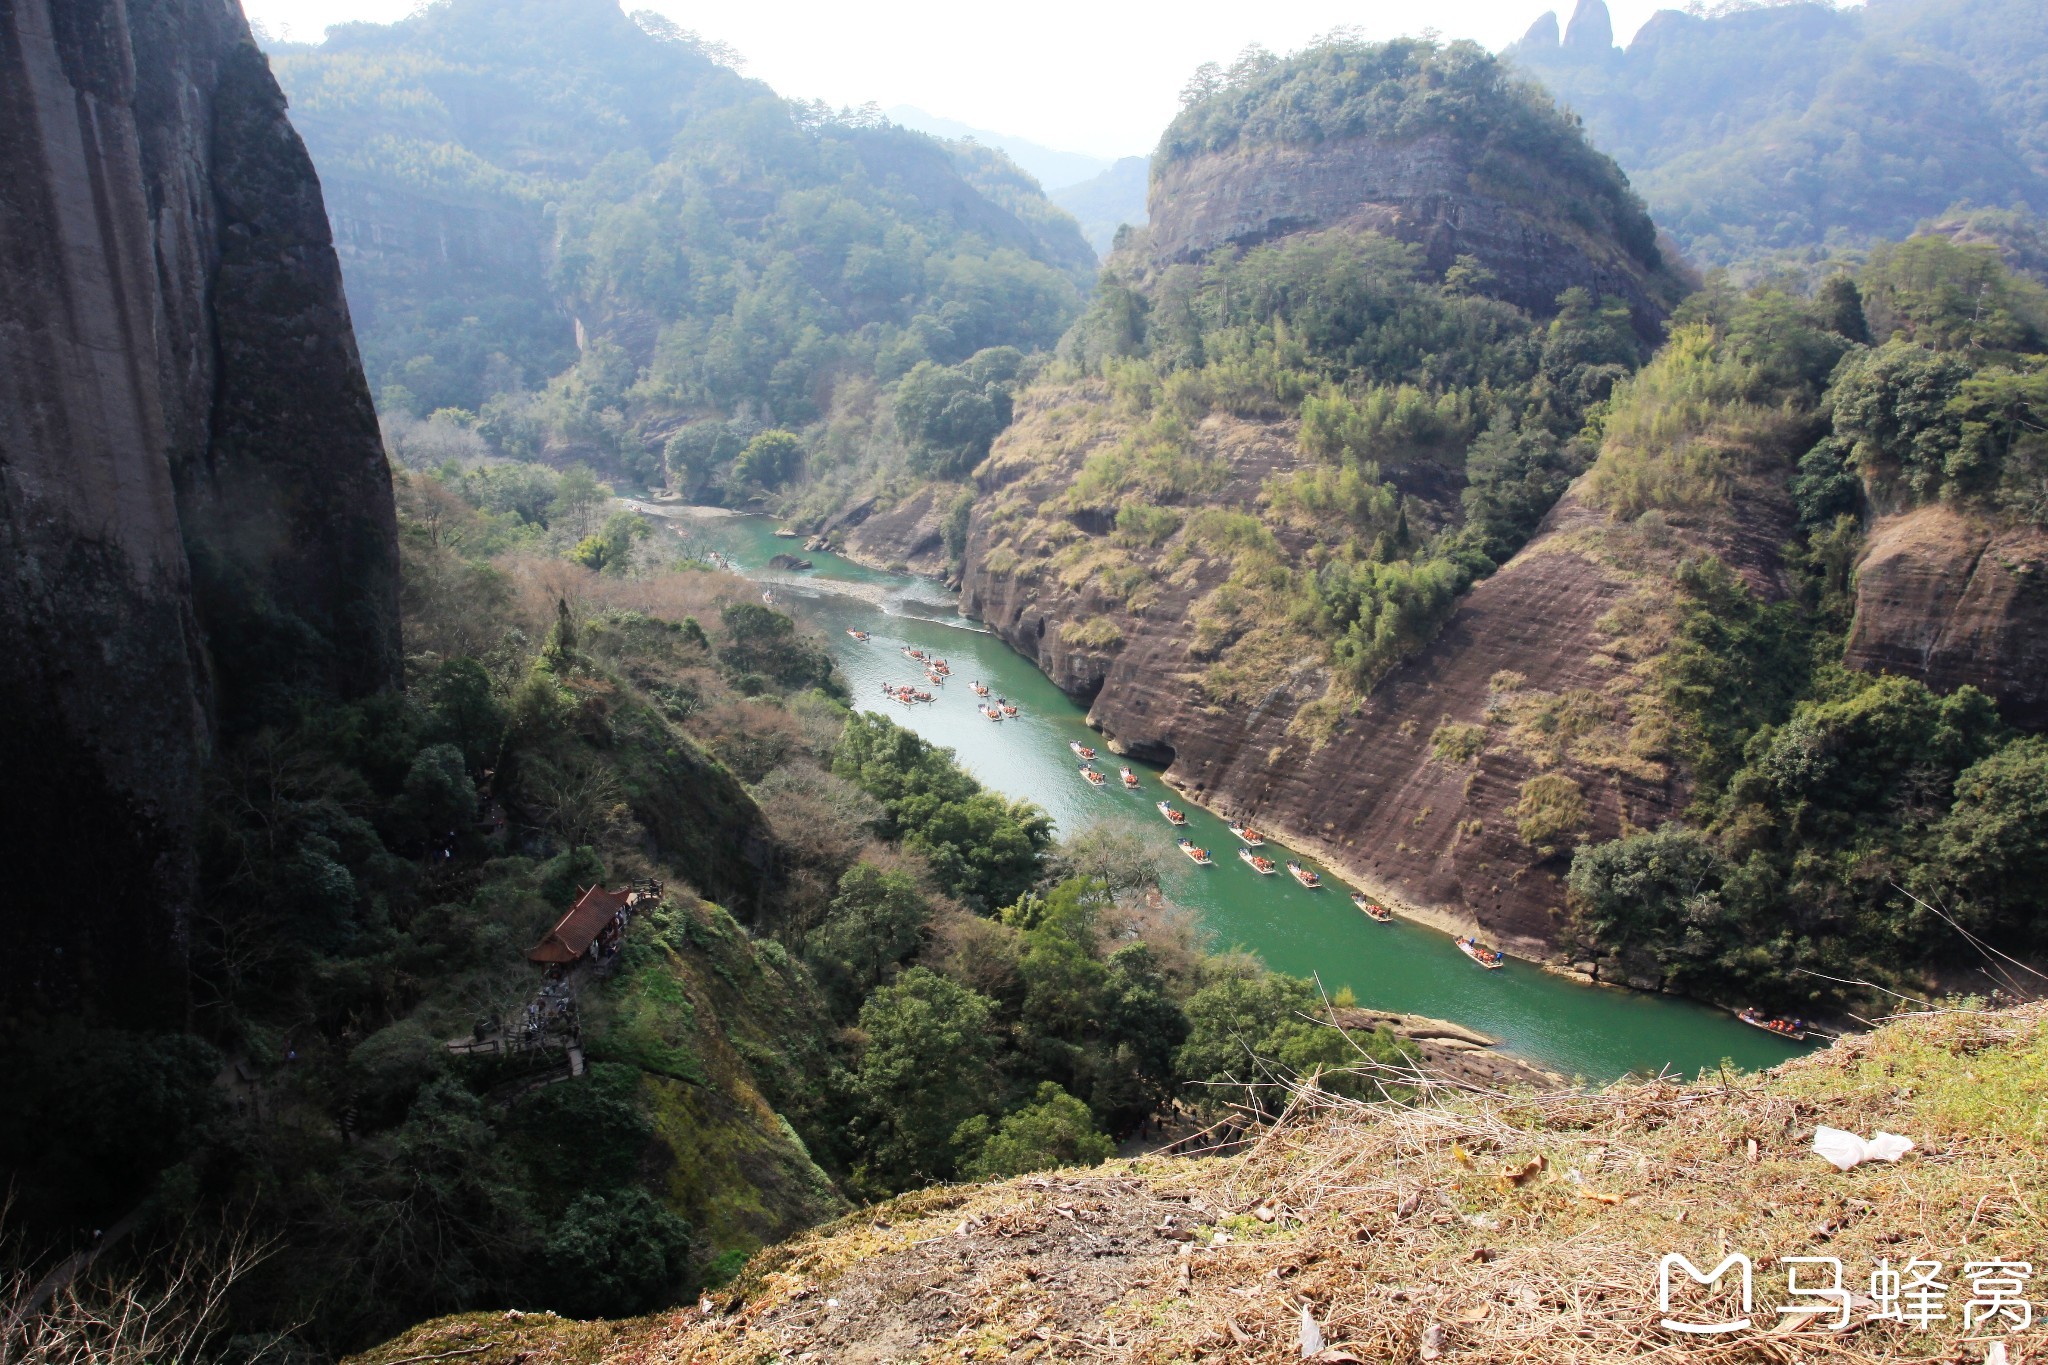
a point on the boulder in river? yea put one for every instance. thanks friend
(788, 561)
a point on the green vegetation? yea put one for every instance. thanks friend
(1437, 427)
(738, 264)
(1794, 129)
(1844, 828)
(902, 978)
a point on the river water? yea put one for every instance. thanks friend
(1597, 1033)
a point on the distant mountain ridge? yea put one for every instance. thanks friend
(1052, 168)
(586, 223)
(1108, 201)
(1774, 127)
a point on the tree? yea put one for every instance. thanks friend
(613, 1255)
(927, 1066)
(770, 459)
(463, 709)
(1952, 296)
(759, 639)
(1657, 893)
(876, 921)
(1993, 843)
(1054, 1130)
(610, 550)
(438, 796)
(1249, 1030)
(980, 847)
(949, 416)
(696, 453)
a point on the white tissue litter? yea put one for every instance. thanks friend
(1846, 1151)
(1311, 1335)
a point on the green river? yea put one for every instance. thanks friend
(1587, 1031)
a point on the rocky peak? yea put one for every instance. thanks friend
(195, 511)
(1507, 180)
(1591, 31)
(1542, 33)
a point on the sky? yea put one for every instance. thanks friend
(1092, 76)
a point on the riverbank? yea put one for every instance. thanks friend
(1407, 967)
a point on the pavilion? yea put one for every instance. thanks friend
(589, 929)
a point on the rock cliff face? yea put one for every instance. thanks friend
(1425, 191)
(1419, 795)
(909, 537)
(1949, 599)
(195, 512)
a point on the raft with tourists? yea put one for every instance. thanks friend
(990, 712)
(1198, 854)
(1009, 707)
(1130, 780)
(859, 635)
(1311, 880)
(1095, 779)
(1378, 914)
(1795, 1029)
(1173, 817)
(980, 689)
(1245, 832)
(1081, 749)
(1489, 958)
(1265, 867)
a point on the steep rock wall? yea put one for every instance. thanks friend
(1423, 191)
(1951, 599)
(194, 506)
(1545, 664)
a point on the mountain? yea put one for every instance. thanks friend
(197, 514)
(1349, 503)
(1108, 200)
(1337, 380)
(1797, 126)
(584, 230)
(1055, 170)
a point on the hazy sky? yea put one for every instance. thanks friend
(1077, 75)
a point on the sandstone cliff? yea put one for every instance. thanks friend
(1428, 190)
(1422, 793)
(1950, 599)
(195, 512)
(909, 537)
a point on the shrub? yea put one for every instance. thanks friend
(1098, 632)
(1552, 806)
(1457, 743)
(1054, 1130)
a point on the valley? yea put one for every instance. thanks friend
(493, 872)
(1596, 1033)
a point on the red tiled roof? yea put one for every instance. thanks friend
(574, 932)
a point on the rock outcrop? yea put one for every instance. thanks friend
(1423, 191)
(195, 511)
(909, 537)
(1418, 795)
(1952, 599)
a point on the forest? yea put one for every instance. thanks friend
(856, 971)
(910, 976)
(672, 260)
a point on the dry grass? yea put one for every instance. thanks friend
(1522, 1229)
